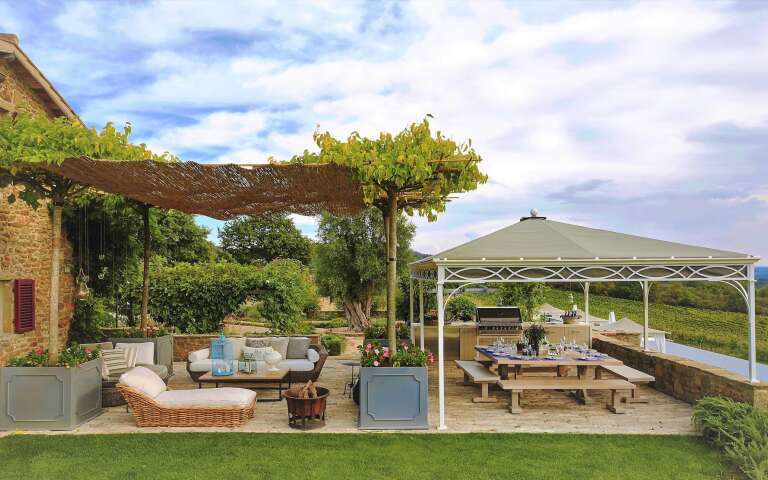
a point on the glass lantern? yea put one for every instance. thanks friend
(221, 356)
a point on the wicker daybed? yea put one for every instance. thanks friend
(153, 405)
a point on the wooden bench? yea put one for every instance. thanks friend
(475, 373)
(517, 386)
(631, 375)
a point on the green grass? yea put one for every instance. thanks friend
(372, 456)
(716, 330)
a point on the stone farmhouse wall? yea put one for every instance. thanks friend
(25, 242)
(682, 378)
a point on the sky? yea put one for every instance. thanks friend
(648, 118)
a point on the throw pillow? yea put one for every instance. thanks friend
(201, 354)
(312, 355)
(297, 347)
(280, 344)
(113, 362)
(260, 342)
(130, 356)
(145, 352)
(255, 353)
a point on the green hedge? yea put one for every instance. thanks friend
(739, 429)
(197, 298)
(334, 344)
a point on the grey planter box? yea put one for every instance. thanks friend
(394, 398)
(49, 398)
(163, 349)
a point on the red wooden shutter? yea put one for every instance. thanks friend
(24, 306)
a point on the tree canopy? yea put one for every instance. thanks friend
(264, 238)
(349, 260)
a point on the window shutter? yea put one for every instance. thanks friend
(24, 306)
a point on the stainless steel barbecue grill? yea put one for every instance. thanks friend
(499, 321)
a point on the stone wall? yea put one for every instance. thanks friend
(183, 344)
(682, 378)
(25, 252)
(25, 238)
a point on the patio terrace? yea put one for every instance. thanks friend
(544, 411)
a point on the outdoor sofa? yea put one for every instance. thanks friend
(153, 405)
(297, 358)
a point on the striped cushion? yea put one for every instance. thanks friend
(114, 362)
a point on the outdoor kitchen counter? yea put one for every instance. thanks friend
(469, 338)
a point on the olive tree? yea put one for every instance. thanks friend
(349, 264)
(28, 142)
(413, 171)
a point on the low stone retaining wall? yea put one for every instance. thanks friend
(183, 344)
(682, 378)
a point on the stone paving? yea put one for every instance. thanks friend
(543, 411)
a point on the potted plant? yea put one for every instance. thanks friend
(36, 396)
(393, 387)
(160, 335)
(535, 334)
(378, 334)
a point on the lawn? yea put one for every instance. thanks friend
(339, 456)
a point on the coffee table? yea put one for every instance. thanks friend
(265, 377)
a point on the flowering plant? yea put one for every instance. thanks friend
(38, 357)
(75, 355)
(72, 356)
(374, 355)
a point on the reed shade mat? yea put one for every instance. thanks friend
(222, 191)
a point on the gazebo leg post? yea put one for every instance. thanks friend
(752, 329)
(421, 314)
(645, 286)
(440, 349)
(410, 305)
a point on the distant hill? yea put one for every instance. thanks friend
(761, 273)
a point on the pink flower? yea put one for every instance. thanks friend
(368, 348)
(39, 350)
(88, 351)
(386, 354)
(375, 363)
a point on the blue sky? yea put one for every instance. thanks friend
(647, 118)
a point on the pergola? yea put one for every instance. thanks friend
(540, 250)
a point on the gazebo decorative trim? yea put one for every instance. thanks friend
(540, 250)
(222, 191)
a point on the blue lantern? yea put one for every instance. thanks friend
(221, 356)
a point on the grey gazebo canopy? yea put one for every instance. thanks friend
(540, 250)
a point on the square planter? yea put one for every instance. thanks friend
(49, 398)
(163, 349)
(393, 398)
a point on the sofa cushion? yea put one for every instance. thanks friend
(200, 366)
(207, 397)
(296, 364)
(258, 342)
(202, 354)
(99, 345)
(144, 380)
(313, 355)
(297, 347)
(145, 352)
(160, 370)
(280, 344)
(237, 347)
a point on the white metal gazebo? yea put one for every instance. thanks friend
(540, 250)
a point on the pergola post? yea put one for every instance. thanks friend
(586, 303)
(440, 348)
(421, 314)
(645, 286)
(751, 320)
(410, 305)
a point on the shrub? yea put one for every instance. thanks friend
(334, 344)
(380, 331)
(374, 355)
(462, 308)
(739, 429)
(89, 316)
(197, 298)
(72, 356)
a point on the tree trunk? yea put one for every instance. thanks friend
(145, 290)
(391, 218)
(354, 311)
(53, 318)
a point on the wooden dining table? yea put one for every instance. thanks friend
(586, 366)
